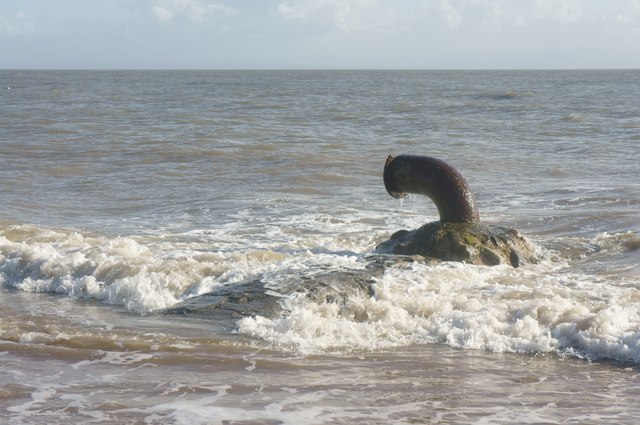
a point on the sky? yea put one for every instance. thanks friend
(319, 34)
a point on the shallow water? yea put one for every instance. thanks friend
(125, 193)
(172, 371)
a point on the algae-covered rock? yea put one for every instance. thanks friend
(468, 242)
(458, 236)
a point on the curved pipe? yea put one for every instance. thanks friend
(434, 178)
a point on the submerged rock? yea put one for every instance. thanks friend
(258, 296)
(467, 242)
(230, 302)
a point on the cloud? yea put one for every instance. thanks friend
(450, 14)
(629, 16)
(493, 15)
(359, 15)
(161, 14)
(346, 15)
(21, 24)
(500, 13)
(193, 10)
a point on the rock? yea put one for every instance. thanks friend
(257, 296)
(468, 242)
(230, 302)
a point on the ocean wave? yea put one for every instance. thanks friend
(140, 274)
(617, 242)
(542, 308)
(154, 272)
(330, 301)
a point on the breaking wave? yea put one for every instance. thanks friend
(549, 307)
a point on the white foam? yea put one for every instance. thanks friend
(616, 242)
(115, 358)
(140, 274)
(542, 308)
(154, 272)
(317, 407)
(549, 307)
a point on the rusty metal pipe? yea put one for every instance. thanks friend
(436, 179)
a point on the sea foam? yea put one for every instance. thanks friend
(548, 307)
(141, 275)
(536, 309)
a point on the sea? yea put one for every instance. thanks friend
(125, 194)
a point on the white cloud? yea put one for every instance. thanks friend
(193, 10)
(496, 15)
(358, 15)
(629, 16)
(20, 24)
(450, 14)
(502, 13)
(322, 33)
(346, 15)
(161, 14)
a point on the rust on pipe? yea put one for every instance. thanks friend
(436, 179)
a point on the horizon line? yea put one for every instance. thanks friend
(302, 69)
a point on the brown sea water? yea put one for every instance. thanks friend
(126, 193)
